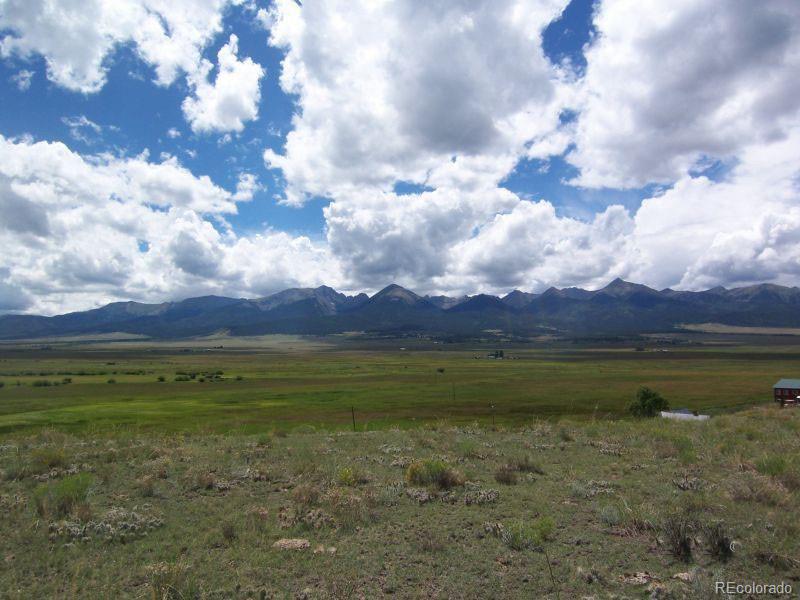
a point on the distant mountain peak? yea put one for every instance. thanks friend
(397, 293)
(518, 299)
(621, 287)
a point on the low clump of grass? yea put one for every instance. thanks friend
(171, 581)
(751, 488)
(389, 495)
(431, 542)
(719, 541)
(47, 458)
(686, 451)
(146, 486)
(349, 509)
(564, 435)
(58, 499)
(304, 462)
(678, 531)
(434, 473)
(17, 469)
(790, 479)
(773, 465)
(506, 475)
(264, 440)
(228, 532)
(306, 495)
(350, 477)
(524, 535)
(203, 480)
(638, 519)
(610, 515)
(466, 448)
(525, 464)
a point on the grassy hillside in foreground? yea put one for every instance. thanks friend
(256, 390)
(593, 509)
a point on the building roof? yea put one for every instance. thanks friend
(787, 383)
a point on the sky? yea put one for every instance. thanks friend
(153, 150)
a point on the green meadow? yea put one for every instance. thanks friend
(249, 388)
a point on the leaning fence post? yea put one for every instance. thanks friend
(353, 411)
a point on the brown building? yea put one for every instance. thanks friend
(787, 391)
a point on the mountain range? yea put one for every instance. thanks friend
(619, 308)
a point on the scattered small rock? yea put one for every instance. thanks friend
(292, 544)
(639, 578)
(420, 495)
(481, 497)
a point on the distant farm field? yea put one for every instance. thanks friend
(252, 388)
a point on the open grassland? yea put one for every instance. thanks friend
(624, 509)
(257, 389)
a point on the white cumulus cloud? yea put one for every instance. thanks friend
(232, 99)
(672, 84)
(404, 90)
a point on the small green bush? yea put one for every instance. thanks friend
(648, 403)
(161, 379)
(433, 472)
(58, 499)
(112, 380)
(182, 378)
(42, 383)
(2, 384)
